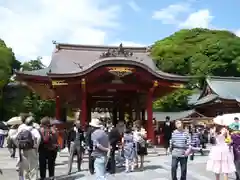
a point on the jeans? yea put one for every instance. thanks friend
(100, 168)
(183, 164)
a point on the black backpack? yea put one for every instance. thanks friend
(25, 140)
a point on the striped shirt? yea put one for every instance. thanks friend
(179, 143)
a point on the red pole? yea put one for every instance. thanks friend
(57, 107)
(150, 129)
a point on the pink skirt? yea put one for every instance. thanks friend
(221, 160)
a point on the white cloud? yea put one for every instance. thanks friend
(46, 60)
(134, 6)
(201, 19)
(169, 15)
(30, 26)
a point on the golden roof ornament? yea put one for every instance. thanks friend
(117, 52)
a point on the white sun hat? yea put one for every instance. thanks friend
(95, 122)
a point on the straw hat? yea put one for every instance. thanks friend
(95, 122)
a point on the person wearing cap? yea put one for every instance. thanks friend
(29, 158)
(101, 148)
(235, 124)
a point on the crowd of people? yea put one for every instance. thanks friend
(38, 147)
(224, 155)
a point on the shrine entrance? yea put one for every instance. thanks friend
(121, 80)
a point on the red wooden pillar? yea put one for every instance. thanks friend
(150, 130)
(57, 107)
(83, 114)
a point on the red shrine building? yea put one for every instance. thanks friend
(121, 79)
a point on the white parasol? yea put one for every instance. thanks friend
(14, 121)
(226, 119)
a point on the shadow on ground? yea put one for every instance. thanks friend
(70, 177)
(153, 167)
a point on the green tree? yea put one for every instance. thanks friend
(198, 52)
(33, 65)
(7, 59)
(33, 103)
(176, 101)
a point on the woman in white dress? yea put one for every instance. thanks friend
(220, 159)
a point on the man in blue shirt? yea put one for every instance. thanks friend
(101, 148)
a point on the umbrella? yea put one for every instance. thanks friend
(3, 126)
(226, 119)
(14, 121)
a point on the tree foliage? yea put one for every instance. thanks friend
(33, 65)
(15, 97)
(33, 103)
(8, 64)
(197, 52)
(174, 102)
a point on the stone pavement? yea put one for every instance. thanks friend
(156, 168)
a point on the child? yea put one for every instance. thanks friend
(129, 150)
(220, 157)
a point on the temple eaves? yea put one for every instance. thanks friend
(76, 60)
(216, 87)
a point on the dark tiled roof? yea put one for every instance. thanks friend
(160, 116)
(225, 87)
(222, 87)
(80, 59)
(192, 99)
(40, 72)
(206, 99)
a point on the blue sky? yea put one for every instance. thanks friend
(30, 26)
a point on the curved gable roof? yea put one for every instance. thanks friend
(73, 60)
(225, 87)
(221, 87)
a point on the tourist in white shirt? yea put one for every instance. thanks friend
(10, 143)
(139, 135)
(29, 161)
